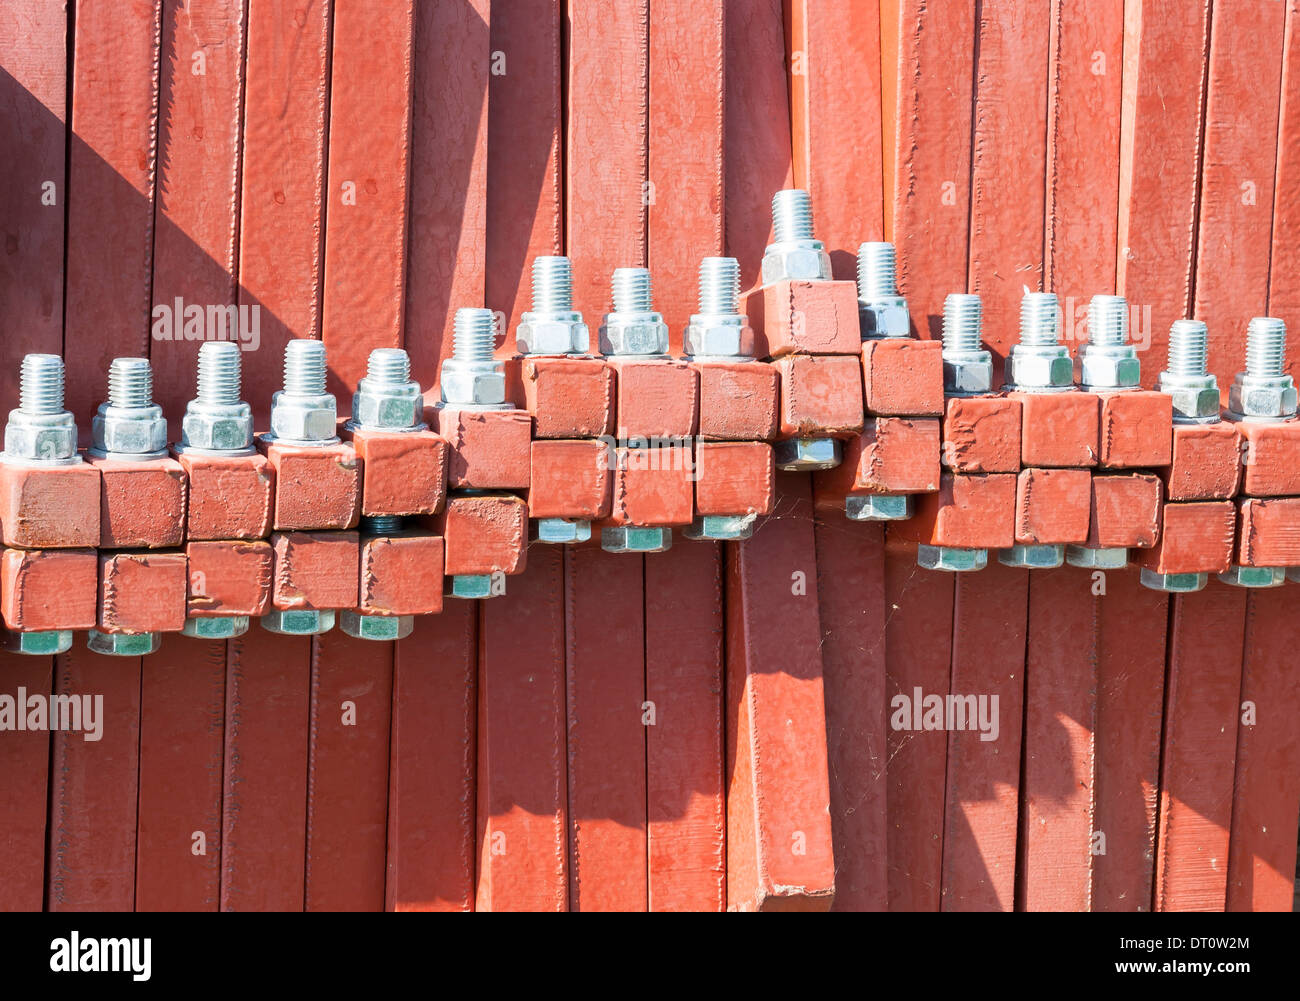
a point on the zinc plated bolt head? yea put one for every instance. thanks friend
(48, 439)
(1037, 557)
(1195, 400)
(722, 336)
(880, 318)
(722, 527)
(472, 586)
(123, 644)
(41, 643)
(304, 420)
(132, 432)
(380, 628)
(561, 531)
(1239, 576)
(1109, 368)
(298, 621)
(796, 455)
(878, 507)
(634, 334)
(552, 334)
(635, 539)
(210, 427)
(967, 373)
(951, 559)
(796, 260)
(473, 384)
(216, 627)
(382, 406)
(1262, 399)
(1040, 369)
(1096, 559)
(1173, 583)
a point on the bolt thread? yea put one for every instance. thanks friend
(130, 382)
(474, 335)
(381, 524)
(552, 285)
(632, 290)
(219, 364)
(792, 215)
(1108, 320)
(1040, 319)
(962, 318)
(877, 271)
(304, 367)
(1189, 345)
(388, 367)
(1266, 347)
(42, 385)
(719, 286)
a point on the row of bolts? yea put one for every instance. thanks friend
(219, 389)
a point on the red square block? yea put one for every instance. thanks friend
(1194, 538)
(402, 473)
(142, 592)
(1125, 511)
(484, 534)
(1053, 506)
(656, 399)
(902, 377)
(571, 479)
(490, 449)
(316, 488)
(230, 496)
(894, 455)
(568, 397)
(653, 487)
(1206, 463)
(739, 401)
(820, 395)
(1270, 458)
(229, 577)
(803, 317)
(1058, 429)
(976, 511)
(1268, 531)
(44, 589)
(1135, 429)
(142, 504)
(50, 507)
(734, 477)
(315, 570)
(981, 434)
(401, 574)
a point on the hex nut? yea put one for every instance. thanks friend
(718, 336)
(878, 507)
(1032, 557)
(123, 644)
(634, 334)
(552, 334)
(884, 318)
(304, 419)
(1096, 559)
(1035, 369)
(951, 559)
(803, 454)
(298, 621)
(967, 373)
(562, 531)
(635, 539)
(1173, 583)
(473, 384)
(802, 260)
(216, 627)
(1193, 399)
(1239, 576)
(387, 407)
(469, 586)
(41, 437)
(217, 428)
(1109, 369)
(129, 430)
(1266, 399)
(722, 527)
(380, 628)
(41, 643)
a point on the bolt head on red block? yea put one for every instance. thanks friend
(1125, 511)
(894, 455)
(734, 477)
(401, 574)
(653, 487)
(483, 534)
(49, 507)
(316, 488)
(315, 570)
(902, 377)
(739, 401)
(981, 434)
(1195, 537)
(1206, 462)
(1053, 506)
(1268, 531)
(49, 589)
(969, 511)
(1135, 429)
(657, 398)
(1058, 429)
(567, 397)
(490, 449)
(571, 479)
(1270, 458)
(142, 504)
(229, 577)
(230, 496)
(142, 592)
(800, 317)
(821, 395)
(402, 473)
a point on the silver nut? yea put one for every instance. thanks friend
(1102, 368)
(884, 318)
(635, 539)
(803, 454)
(1096, 559)
(718, 336)
(878, 507)
(1254, 576)
(951, 559)
(298, 621)
(1032, 557)
(217, 428)
(722, 527)
(129, 430)
(634, 334)
(123, 644)
(562, 531)
(1173, 583)
(967, 373)
(43, 643)
(473, 384)
(304, 418)
(1038, 369)
(381, 628)
(804, 260)
(552, 334)
(40, 437)
(1272, 398)
(471, 586)
(387, 407)
(217, 627)
(1193, 399)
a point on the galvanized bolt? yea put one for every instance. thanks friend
(1032, 557)
(298, 621)
(123, 644)
(552, 327)
(951, 559)
(1194, 390)
(471, 378)
(1264, 392)
(217, 420)
(633, 328)
(882, 312)
(719, 330)
(369, 626)
(1108, 362)
(1103, 558)
(794, 255)
(129, 425)
(1173, 583)
(967, 367)
(40, 431)
(303, 413)
(1039, 363)
(386, 399)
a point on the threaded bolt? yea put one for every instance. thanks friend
(552, 285)
(388, 367)
(1189, 342)
(219, 368)
(474, 335)
(42, 385)
(632, 290)
(1040, 319)
(1108, 320)
(719, 286)
(1266, 348)
(877, 271)
(381, 524)
(304, 367)
(792, 215)
(130, 383)
(962, 320)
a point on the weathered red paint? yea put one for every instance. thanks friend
(903, 378)
(24, 790)
(49, 588)
(141, 504)
(401, 473)
(1284, 276)
(981, 434)
(142, 592)
(229, 497)
(1135, 430)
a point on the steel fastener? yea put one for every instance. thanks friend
(386, 398)
(633, 329)
(1034, 557)
(1264, 393)
(1194, 390)
(303, 413)
(1108, 361)
(129, 425)
(794, 255)
(217, 421)
(1173, 583)
(552, 326)
(882, 312)
(471, 378)
(368, 625)
(967, 367)
(951, 559)
(1039, 363)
